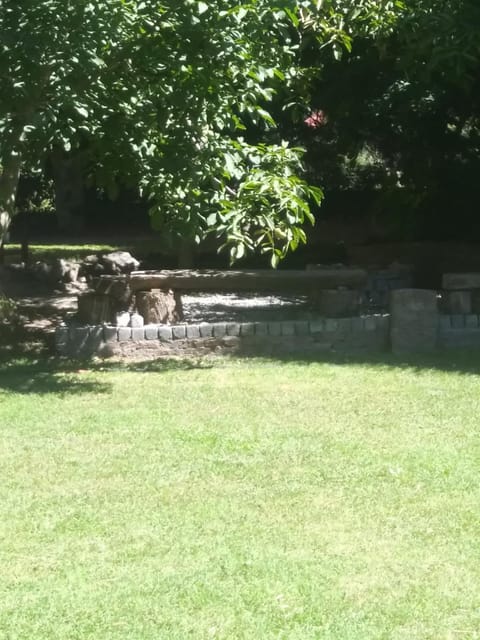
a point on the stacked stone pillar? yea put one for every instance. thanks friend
(414, 320)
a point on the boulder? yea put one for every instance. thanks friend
(119, 262)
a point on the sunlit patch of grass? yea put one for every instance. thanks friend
(248, 499)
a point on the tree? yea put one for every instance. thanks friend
(409, 123)
(157, 93)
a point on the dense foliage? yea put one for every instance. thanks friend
(401, 118)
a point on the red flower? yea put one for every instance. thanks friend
(316, 119)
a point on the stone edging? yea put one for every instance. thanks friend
(87, 339)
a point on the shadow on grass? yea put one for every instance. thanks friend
(455, 361)
(36, 372)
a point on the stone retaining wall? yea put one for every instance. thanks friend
(459, 331)
(367, 333)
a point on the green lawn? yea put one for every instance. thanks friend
(240, 499)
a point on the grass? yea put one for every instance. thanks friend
(244, 499)
(140, 246)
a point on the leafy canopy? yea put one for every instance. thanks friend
(164, 94)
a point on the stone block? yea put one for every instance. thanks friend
(206, 330)
(458, 301)
(475, 301)
(458, 281)
(179, 332)
(414, 320)
(471, 321)
(138, 334)
(458, 321)
(110, 333)
(370, 323)
(165, 333)
(124, 334)
(345, 325)
(193, 331)
(288, 328)
(302, 328)
(331, 324)
(358, 324)
(383, 322)
(274, 328)
(445, 322)
(219, 329)
(261, 328)
(247, 329)
(317, 326)
(151, 332)
(233, 329)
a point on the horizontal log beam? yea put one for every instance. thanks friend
(261, 280)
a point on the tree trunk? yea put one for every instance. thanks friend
(8, 191)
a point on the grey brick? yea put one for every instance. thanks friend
(138, 334)
(331, 324)
(345, 325)
(193, 331)
(124, 334)
(233, 329)
(275, 328)
(179, 331)
(471, 321)
(95, 336)
(317, 326)
(110, 333)
(370, 323)
(302, 328)
(261, 328)
(358, 325)
(219, 329)
(151, 332)
(445, 322)
(383, 322)
(165, 333)
(288, 328)
(458, 321)
(247, 329)
(206, 330)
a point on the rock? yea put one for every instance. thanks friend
(136, 321)
(119, 262)
(65, 271)
(122, 319)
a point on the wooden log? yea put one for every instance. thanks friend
(261, 280)
(159, 306)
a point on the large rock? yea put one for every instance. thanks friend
(120, 262)
(414, 320)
